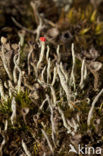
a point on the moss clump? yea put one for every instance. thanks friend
(85, 26)
(23, 99)
(5, 106)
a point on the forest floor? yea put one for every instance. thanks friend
(51, 78)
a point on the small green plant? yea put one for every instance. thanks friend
(86, 26)
(23, 99)
(36, 147)
(5, 106)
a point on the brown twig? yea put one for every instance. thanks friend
(22, 27)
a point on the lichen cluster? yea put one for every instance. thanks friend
(51, 93)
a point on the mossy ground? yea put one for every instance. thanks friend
(84, 22)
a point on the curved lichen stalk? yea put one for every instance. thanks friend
(5, 63)
(64, 85)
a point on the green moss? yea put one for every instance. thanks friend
(5, 106)
(36, 148)
(49, 131)
(89, 28)
(23, 99)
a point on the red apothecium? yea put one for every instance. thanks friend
(42, 39)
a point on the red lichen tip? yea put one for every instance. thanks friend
(42, 39)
